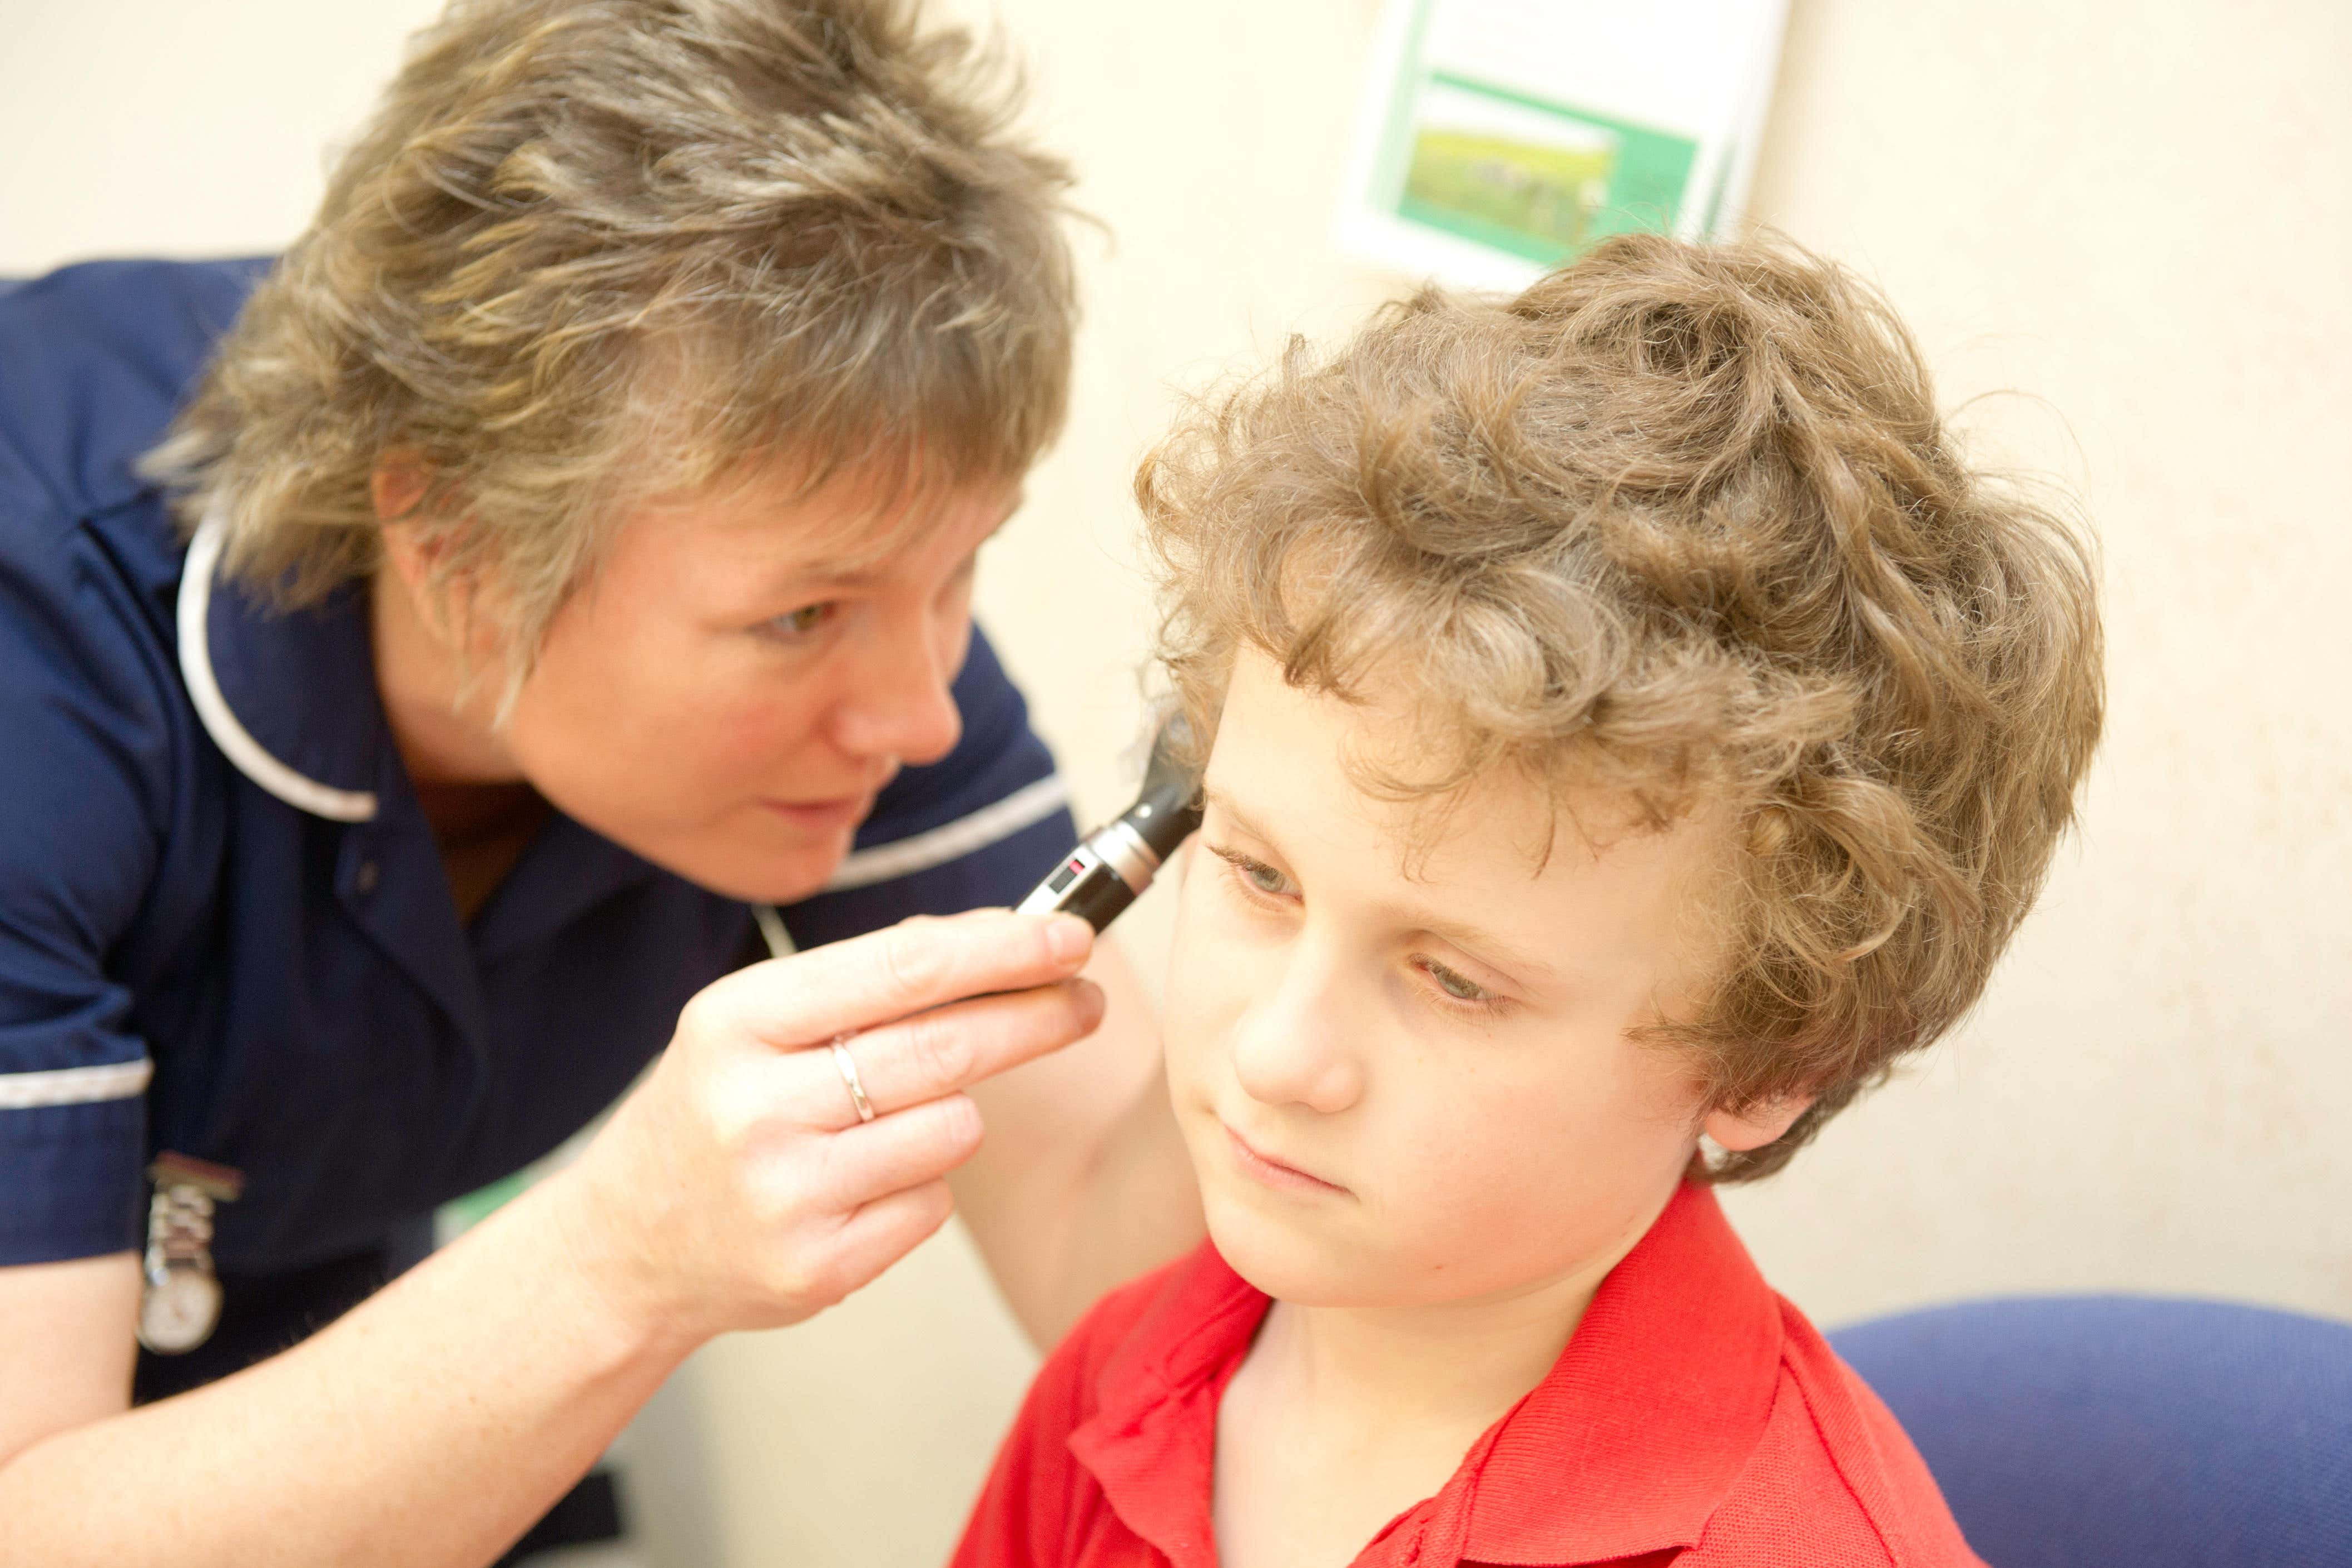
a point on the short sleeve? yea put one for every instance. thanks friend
(980, 827)
(85, 742)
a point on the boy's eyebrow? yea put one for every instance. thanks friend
(1486, 944)
(1212, 796)
(1470, 938)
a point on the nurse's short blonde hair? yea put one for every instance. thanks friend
(589, 250)
(1682, 522)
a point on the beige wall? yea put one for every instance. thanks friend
(2133, 218)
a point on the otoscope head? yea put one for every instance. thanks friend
(1168, 806)
(1116, 862)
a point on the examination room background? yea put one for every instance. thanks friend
(2130, 221)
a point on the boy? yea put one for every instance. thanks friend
(1631, 728)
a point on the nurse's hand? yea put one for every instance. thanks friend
(737, 1187)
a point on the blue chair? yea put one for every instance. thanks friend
(2090, 1431)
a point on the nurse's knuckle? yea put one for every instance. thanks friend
(942, 1054)
(696, 1020)
(734, 1109)
(958, 1125)
(911, 961)
(934, 1203)
(795, 1276)
(780, 1191)
(734, 1131)
(940, 1135)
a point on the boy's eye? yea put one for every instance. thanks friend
(1263, 877)
(795, 625)
(1255, 875)
(1460, 987)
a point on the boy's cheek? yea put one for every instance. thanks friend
(1498, 1183)
(1208, 979)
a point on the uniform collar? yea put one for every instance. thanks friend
(1628, 1445)
(289, 698)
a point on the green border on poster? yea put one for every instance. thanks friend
(1396, 136)
(1647, 187)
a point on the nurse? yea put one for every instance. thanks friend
(432, 666)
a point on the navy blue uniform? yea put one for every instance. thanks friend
(190, 961)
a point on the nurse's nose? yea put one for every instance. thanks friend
(1293, 1046)
(898, 703)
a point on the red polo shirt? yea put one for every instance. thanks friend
(1695, 1418)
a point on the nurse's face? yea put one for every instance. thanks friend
(745, 669)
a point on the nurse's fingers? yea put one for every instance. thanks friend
(909, 967)
(948, 1048)
(886, 1230)
(892, 1154)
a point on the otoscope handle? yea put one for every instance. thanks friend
(1112, 865)
(1083, 885)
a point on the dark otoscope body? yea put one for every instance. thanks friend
(1113, 864)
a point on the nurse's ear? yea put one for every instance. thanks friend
(396, 488)
(414, 549)
(397, 484)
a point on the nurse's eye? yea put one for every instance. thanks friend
(799, 625)
(1254, 876)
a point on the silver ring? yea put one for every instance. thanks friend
(848, 1066)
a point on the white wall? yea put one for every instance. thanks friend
(2134, 218)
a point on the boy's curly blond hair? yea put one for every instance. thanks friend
(1680, 521)
(592, 249)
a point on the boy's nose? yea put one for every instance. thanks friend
(1291, 1047)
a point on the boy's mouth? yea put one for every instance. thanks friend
(1273, 1172)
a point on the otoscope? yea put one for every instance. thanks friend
(1112, 865)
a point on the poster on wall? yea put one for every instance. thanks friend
(1500, 138)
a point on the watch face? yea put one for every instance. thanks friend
(178, 1314)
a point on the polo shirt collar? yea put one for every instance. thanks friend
(1628, 1445)
(1651, 1412)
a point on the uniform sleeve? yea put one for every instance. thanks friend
(979, 827)
(82, 749)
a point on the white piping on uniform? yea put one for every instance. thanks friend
(212, 709)
(771, 930)
(1002, 819)
(75, 1086)
(999, 819)
(1030, 803)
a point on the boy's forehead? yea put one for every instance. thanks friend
(1561, 881)
(1285, 751)
(1292, 762)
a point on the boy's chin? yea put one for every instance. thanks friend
(1295, 1261)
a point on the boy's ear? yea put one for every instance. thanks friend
(1741, 1131)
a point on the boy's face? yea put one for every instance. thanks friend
(1410, 1089)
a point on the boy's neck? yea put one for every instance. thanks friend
(1440, 1366)
(1342, 1418)
(1448, 1366)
